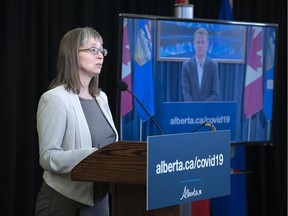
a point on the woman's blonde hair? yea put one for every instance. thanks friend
(68, 64)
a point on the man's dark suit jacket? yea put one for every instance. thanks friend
(209, 90)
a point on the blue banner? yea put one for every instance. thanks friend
(181, 117)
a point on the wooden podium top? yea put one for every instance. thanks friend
(119, 162)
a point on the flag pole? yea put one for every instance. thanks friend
(268, 129)
(140, 129)
(249, 129)
(121, 128)
(184, 10)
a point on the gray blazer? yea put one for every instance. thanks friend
(65, 140)
(209, 90)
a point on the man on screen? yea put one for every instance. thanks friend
(200, 79)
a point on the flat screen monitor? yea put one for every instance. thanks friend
(230, 86)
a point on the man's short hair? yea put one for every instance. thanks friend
(201, 31)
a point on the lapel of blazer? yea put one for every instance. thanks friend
(204, 78)
(205, 74)
(194, 75)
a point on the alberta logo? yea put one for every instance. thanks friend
(187, 193)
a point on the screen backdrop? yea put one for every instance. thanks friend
(156, 50)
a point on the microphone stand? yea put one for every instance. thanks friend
(146, 111)
(209, 124)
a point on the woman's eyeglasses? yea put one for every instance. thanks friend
(95, 50)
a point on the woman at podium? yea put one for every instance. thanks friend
(73, 121)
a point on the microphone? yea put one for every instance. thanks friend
(212, 126)
(207, 124)
(124, 87)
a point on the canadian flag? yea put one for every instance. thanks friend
(126, 98)
(253, 94)
(181, 2)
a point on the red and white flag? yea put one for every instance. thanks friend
(253, 95)
(126, 98)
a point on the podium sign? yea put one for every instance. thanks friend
(187, 167)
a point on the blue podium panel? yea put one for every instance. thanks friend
(187, 167)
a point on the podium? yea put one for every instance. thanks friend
(162, 173)
(124, 166)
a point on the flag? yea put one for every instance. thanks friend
(201, 208)
(181, 1)
(269, 74)
(143, 80)
(253, 96)
(225, 12)
(126, 98)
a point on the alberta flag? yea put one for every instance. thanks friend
(225, 12)
(253, 94)
(143, 80)
(126, 98)
(269, 74)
